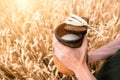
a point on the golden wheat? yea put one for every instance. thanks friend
(26, 30)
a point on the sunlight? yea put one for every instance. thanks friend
(22, 4)
(25, 5)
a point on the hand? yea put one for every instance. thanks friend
(72, 58)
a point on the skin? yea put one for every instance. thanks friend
(105, 51)
(76, 58)
(66, 54)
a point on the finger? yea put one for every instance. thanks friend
(58, 44)
(54, 39)
(56, 48)
(85, 42)
(58, 52)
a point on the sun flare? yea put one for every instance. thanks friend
(25, 5)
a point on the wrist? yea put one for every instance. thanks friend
(83, 73)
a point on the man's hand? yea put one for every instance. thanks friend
(72, 58)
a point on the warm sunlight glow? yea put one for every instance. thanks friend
(25, 5)
(22, 4)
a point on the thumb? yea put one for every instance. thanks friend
(85, 42)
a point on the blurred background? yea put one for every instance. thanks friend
(27, 26)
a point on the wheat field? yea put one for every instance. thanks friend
(27, 27)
